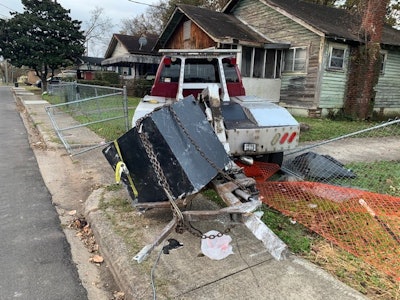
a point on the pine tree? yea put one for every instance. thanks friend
(43, 37)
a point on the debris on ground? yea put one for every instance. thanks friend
(311, 165)
(96, 259)
(117, 295)
(85, 233)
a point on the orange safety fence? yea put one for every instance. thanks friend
(365, 224)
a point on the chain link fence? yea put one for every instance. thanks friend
(78, 109)
(347, 190)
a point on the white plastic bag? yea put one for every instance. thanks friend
(217, 248)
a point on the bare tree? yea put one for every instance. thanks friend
(98, 31)
(157, 15)
(392, 9)
(148, 22)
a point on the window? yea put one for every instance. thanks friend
(261, 63)
(230, 72)
(337, 57)
(259, 59)
(247, 60)
(186, 30)
(383, 61)
(201, 70)
(273, 64)
(171, 72)
(295, 60)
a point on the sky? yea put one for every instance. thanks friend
(80, 9)
(117, 10)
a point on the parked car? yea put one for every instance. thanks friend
(50, 80)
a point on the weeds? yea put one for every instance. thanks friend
(325, 129)
(385, 177)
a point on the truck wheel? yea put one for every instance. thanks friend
(276, 158)
(273, 158)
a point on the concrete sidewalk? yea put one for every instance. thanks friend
(250, 273)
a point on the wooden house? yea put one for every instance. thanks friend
(294, 52)
(87, 66)
(132, 56)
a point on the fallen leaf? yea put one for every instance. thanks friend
(96, 259)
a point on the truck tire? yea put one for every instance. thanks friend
(273, 158)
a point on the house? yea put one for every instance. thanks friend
(195, 27)
(87, 66)
(132, 56)
(294, 52)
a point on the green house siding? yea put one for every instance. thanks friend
(333, 87)
(297, 90)
(388, 87)
(333, 90)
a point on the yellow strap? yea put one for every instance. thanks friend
(118, 171)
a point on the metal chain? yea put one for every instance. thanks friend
(197, 233)
(162, 180)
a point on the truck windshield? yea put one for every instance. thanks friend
(201, 70)
(170, 73)
(230, 72)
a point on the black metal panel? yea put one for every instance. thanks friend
(184, 166)
(235, 117)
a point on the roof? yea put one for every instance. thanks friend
(332, 22)
(93, 61)
(220, 27)
(131, 44)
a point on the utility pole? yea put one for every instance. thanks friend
(6, 68)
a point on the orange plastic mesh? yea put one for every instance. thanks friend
(365, 224)
(260, 171)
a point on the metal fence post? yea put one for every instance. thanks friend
(126, 114)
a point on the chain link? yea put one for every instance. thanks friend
(162, 180)
(197, 233)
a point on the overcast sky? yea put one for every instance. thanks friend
(117, 10)
(80, 9)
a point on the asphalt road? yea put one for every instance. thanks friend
(35, 257)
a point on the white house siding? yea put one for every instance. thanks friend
(333, 87)
(119, 50)
(297, 90)
(388, 87)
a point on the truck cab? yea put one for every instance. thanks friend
(180, 76)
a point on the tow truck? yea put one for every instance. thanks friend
(247, 126)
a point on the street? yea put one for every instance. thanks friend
(35, 256)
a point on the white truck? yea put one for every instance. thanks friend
(248, 126)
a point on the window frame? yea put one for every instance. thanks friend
(250, 70)
(384, 55)
(294, 60)
(330, 66)
(186, 30)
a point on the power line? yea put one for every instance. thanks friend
(13, 10)
(138, 2)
